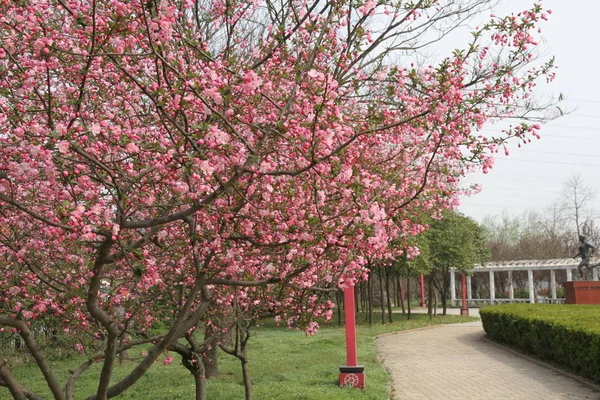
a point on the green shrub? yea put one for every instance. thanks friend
(521, 294)
(568, 335)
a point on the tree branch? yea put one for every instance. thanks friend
(25, 333)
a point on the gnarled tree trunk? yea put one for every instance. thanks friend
(209, 357)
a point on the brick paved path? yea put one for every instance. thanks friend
(454, 362)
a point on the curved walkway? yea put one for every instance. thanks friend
(455, 362)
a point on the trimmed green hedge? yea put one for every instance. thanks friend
(568, 335)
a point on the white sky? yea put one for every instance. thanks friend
(533, 177)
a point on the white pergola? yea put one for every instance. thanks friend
(568, 264)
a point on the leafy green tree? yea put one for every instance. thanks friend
(454, 241)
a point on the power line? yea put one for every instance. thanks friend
(559, 153)
(547, 125)
(504, 206)
(582, 101)
(544, 135)
(584, 115)
(537, 178)
(515, 195)
(549, 162)
(571, 127)
(486, 188)
(571, 99)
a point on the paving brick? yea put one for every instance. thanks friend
(454, 362)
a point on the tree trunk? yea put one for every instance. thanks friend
(200, 383)
(397, 292)
(338, 300)
(209, 358)
(239, 351)
(361, 290)
(370, 297)
(435, 304)
(440, 284)
(364, 292)
(192, 364)
(356, 298)
(430, 296)
(445, 291)
(124, 355)
(366, 296)
(387, 295)
(246, 377)
(381, 298)
(401, 293)
(408, 294)
(9, 381)
(393, 292)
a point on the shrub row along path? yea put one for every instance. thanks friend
(455, 362)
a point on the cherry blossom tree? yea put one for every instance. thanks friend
(163, 159)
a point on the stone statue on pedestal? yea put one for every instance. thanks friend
(585, 251)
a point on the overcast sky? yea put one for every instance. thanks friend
(533, 177)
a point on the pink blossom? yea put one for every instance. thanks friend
(251, 82)
(368, 8)
(63, 146)
(95, 129)
(181, 187)
(132, 148)
(313, 73)
(27, 314)
(61, 129)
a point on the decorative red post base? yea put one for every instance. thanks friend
(423, 304)
(464, 310)
(351, 374)
(582, 292)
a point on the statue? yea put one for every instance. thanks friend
(586, 251)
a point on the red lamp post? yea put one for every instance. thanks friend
(422, 278)
(351, 374)
(464, 310)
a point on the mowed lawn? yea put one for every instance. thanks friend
(284, 364)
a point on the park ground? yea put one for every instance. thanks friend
(284, 364)
(443, 358)
(457, 362)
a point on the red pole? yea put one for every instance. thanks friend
(423, 304)
(351, 360)
(351, 374)
(464, 310)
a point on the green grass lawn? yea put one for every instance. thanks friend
(284, 364)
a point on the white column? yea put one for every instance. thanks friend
(469, 293)
(569, 275)
(553, 285)
(511, 287)
(492, 288)
(452, 287)
(530, 283)
(594, 274)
